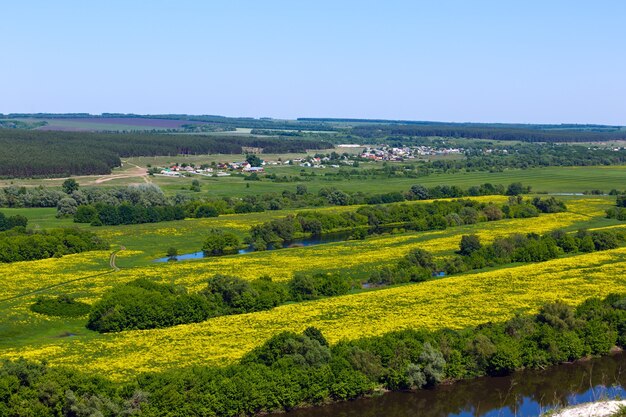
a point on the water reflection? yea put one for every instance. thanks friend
(525, 394)
(310, 241)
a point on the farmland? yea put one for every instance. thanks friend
(355, 301)
(456, 302)
(548, 179)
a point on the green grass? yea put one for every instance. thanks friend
(40, 218)
(543, 180)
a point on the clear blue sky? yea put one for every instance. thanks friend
(492, 61)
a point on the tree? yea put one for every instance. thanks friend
(301, 189)
(7, 223)
(493, 212)
(172, 252)
(254, 160)
(205, 210)
(85, 214)
(338, 198)
(219, 242)
(515, 188)
(69, 186)
(17, 221)
(66, 207)
(469, 244)
(419, 192)
(621, 201)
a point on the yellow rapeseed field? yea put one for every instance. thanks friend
(72, 271)
(454, 302)
(282, 264)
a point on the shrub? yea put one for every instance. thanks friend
(61, 306)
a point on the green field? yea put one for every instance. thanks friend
(542, 180)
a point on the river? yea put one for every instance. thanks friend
(309, 241)
(523, 394)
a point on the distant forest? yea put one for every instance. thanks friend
(378, 128)
(31, 153)
(221, 121)
(583, 133)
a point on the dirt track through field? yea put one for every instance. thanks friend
(112, 264)
(113, 256)
(132, 173)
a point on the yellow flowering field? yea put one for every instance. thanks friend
(454, 302)
(23, 277)
(377, 251)
(82, 274)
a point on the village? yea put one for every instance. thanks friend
(254, 164)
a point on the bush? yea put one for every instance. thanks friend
(469, 245)
(143, 304)
(22, 245)
(8, 223)
(61, 306)
(219, 242)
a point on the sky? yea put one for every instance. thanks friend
(480, 61)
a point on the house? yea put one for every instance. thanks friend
(253, 169)
(168, 173)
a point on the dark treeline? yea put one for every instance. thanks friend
(109, 215)
(293, 370)
(10, 222)
(223, 121)
(420, 265)
(504, 133)
(19, 244)
(529, 156)
(437, 215)
(32, 153)
(370, 122)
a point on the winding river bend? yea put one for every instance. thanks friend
(523, 394)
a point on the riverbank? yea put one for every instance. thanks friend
(594, 409)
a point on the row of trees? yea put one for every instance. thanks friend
(141, 203)
(263, 381)
(432, 216)
(19, 244)
(144, 304)
(108, 215)
(419, 265)
(73, 196)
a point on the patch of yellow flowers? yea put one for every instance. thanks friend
(455, 302)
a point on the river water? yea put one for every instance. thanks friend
(309, 241)
(523, 394)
